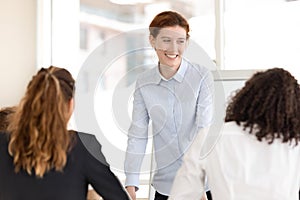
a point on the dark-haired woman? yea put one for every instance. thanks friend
(40, 159)
(258, 153)
(177, 96)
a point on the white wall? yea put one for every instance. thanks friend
(17, 48)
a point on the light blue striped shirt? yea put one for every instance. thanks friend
(177, 108)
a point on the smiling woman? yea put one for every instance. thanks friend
(168, 34)
(177, 96)
(169, 45)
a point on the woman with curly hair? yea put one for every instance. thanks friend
(257, 155)
(40, 159)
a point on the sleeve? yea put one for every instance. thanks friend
(205, 102)
(99, 175)
(189, 182)
(137, 139)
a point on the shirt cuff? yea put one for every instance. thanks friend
(132, 180)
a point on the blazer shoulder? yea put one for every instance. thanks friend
(93, 146)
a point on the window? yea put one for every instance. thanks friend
(262, 34)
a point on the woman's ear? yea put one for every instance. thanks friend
(152, 41)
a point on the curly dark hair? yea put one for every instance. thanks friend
(269, 106)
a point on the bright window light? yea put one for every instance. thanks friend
(130, 2)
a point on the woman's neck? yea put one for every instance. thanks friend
(166, 71)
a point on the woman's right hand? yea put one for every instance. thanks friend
(131, 192)
(204, 197)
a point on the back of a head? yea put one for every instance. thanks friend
(269, 105)
(4, 117)
(39, 138)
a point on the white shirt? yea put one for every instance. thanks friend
(239, 167)
(177, 108)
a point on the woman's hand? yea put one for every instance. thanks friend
(131, 192)
(204, 197)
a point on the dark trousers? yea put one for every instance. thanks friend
(159, 196)
(208, 195)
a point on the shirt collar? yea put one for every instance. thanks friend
(181, 71)
(178, 76)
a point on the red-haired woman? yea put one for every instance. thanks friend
(177, 96)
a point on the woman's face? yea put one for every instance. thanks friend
(169, 45)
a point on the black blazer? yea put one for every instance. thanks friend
(84, 166)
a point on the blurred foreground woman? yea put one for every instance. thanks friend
(258, 154)
(40, 159)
